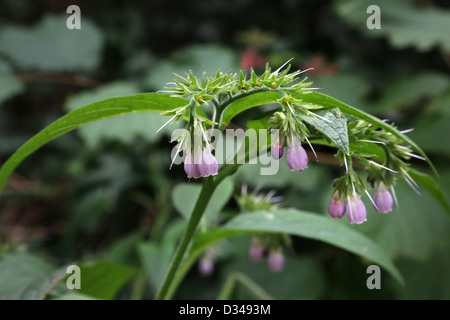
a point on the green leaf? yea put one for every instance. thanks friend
(155, 259)
(184, 197)
(440, 105)
(245, 102)
(401, 22)
(401, 92)
(329, 102)
(431, 185)
(123, 128)
(306, 181)
(363, 147)
(124, 248)
(238, 279)
(261, 121)
(335, 128)
(301, 279)
(427, 279)
(147, 102)
(198, 58)
(301, 224)
(427, 131)
(351, 88)
(51, 46)
(103, 279)
(26, 276)
(155, 256)
(9, 84)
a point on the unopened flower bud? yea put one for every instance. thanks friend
(296, 157)
(206, 266)
(276, 261)
(336, 209)
(256, 251)
(356, 211)
(277, 148)
(383, 199)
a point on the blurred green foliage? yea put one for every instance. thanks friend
(104, 197)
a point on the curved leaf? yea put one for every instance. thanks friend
(245, 102)
(329, 102)
(147, 102)
(266, 97)
(301, 224)
(431, 185)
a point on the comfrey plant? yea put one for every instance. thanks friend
(373, 154)
(296, 119)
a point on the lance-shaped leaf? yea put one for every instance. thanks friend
(302, 224)
(147, 102)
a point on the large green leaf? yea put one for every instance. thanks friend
(301, 224)
(103, 279)
(155, 259)
(51, 46)
(9, 83)
(431, 185)
(246, 102)
(335, 128)
(403, 23)
(349, 87)
(123, 128)
(26, 276)
(301, 278)
(427, 279)
(407, 90)
(427, 131)
(198, 58)
(147, 102)
(440, 104)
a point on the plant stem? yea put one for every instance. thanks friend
(172, 279)
(189, 260)
(208, 188)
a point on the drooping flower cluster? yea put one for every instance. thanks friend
(286, 126)
(264, 244)
(199, 162)
(355, 208)
(296, 157)
(346, 198)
